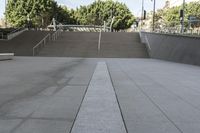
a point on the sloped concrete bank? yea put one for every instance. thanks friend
(177, 48)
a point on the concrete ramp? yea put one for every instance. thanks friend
(99, 112)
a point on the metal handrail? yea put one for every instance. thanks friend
(42, 43)
(88, 28)
(47, 38)
(56, 34)
(93, 26)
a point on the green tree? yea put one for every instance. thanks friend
(20, 11)
(193, 9)
(170, 17)
(81, 15)
(41, 12)
(100, 11)
(64, 15)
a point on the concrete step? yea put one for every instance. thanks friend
(23, 44)
(84, 44)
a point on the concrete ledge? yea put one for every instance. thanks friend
(175, 34)
(6, 56)
(13, 35)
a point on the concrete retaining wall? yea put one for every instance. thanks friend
(182, 49)
(13, 35)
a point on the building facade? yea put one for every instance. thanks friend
(2, 23)
(172, 3)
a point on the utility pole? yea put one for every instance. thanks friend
(183, 17)
(154, 12)
(5, 14)
(142, 15)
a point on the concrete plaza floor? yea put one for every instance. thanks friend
(51, 95)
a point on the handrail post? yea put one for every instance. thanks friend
(33, 52)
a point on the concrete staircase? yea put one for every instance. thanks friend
(73, 44)
(85, 44)
(78, 44)
(23, 44)
(122, 45)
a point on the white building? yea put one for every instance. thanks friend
(173, 3)
(2, 23)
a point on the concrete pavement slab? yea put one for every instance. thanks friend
(155, 96)
(170, 97)
(44, 126)
(35, 93)
(99, 112)
(139, 113)
(7, 126)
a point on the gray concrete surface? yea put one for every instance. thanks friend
(99, 112)
(176, 48)
(40, 95)
(44, 95)
(157, 96)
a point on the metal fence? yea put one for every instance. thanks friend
(2, 36)
(191, 27)
(82, 28)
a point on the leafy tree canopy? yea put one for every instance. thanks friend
(100, 11)
(41, 12)
(170, 17)
(20, 11)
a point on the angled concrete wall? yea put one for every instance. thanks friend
(182, 49)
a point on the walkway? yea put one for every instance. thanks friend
(99, 112)
(55, 95)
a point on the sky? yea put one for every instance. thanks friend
(134, 5)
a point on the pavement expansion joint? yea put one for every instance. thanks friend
(99, 112)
